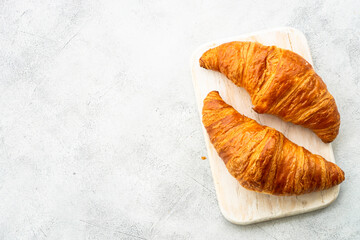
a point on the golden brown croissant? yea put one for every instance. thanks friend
(261, 158)
(280, 82)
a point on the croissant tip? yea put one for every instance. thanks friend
(343, 175)
(202, 63)
(326, 140)
(213, 93)
(209, 60)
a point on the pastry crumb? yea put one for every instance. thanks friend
(203, 158)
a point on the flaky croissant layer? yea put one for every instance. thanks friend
(280, 82)
(261, 158)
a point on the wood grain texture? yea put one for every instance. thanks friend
(238, 205)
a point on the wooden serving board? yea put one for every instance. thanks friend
(238, 205)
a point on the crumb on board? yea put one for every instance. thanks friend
(203, 158)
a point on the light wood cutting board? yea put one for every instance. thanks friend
(238, 205)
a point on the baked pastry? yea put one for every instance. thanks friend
(280, 82)
(261, 158)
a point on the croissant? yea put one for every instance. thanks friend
(280, 82)
(261, 158)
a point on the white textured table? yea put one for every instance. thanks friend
(99, 133)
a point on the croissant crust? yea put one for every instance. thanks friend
(280, 82)
(261, 158)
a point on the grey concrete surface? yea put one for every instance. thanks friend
(100, 137)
